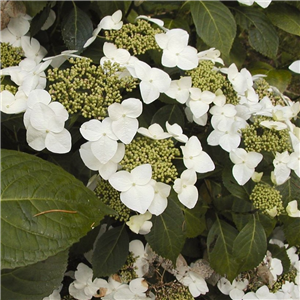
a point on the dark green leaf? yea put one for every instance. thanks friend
(262, 34)
(214, 23)
(166, 237)
(241, 212)
(279, 78)
(34, 282)
(285, 17)
(250, 246)
(109, 7)
(220, 241)
(291, 228)
(171, 113)
(34, 7)
(195, 220)
(77, 28)
(29, 186)
(110, 252)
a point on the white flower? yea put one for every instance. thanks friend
(211, 54)
(160, 200)
(262, 3)
(185, 188)
(180, 89)
(124, 118)
(222, 115)
(195, 158)
(196, 284)
(295, 66)
(153, 81)
(292, 209)
(289, 290)
(176, 131)
(112, 22)
(136, 190)
(15, 31)
(84, 287)
(244, 164)
(140, 253)
(44, 122)
(13, 104)
(134, 291)
(176, 51)
(93, 163)
(32, 49)
(234, 290)
(93, 37)
(281, 170)
(108, 288)
(140, 224)
(59, 59)
(104, 142)
(191, 117)
(199, 101)
(275, 267)
(113, 54)
(154, 132)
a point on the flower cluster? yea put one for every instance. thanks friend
(142, 163)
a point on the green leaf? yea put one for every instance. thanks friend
(262, 35)
(34, 7)
(241, 212)
(214, 23)
(291, 228)
(279, 78)
(35, 281)
(171, 113)
(111, 251)
(166, 237)
(220, 241)
(195, 220)
(109, 7)
(29, 186)
(250, 246)
(232, 186)
(76, 29)
(285, 17)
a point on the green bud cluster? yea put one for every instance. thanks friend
(127, 272)
(175, 291)
(10, 56)
(88, 88)
(136, 38)
(206, 78)
(263, 89)
(8, 87)
(289, 276)
(158, 153)
(111, 198)
(258, 138)
(265, 198)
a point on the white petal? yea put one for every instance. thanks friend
(203, 163)
(88, 158)
(91, 130)
(295, 66)
(142, 174)
(189, 196)
(35, 138)
(38, 95)
(59, 142)
(104, 149)
(158, 205)
(133, 107)
(169, 59)
(138, 285)
(121, 181)
(188, 59)
(162, 40)
(148, 91)
(241, 173)
(108, 169)
(125, 129)
(59, 110)
(138, 198)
